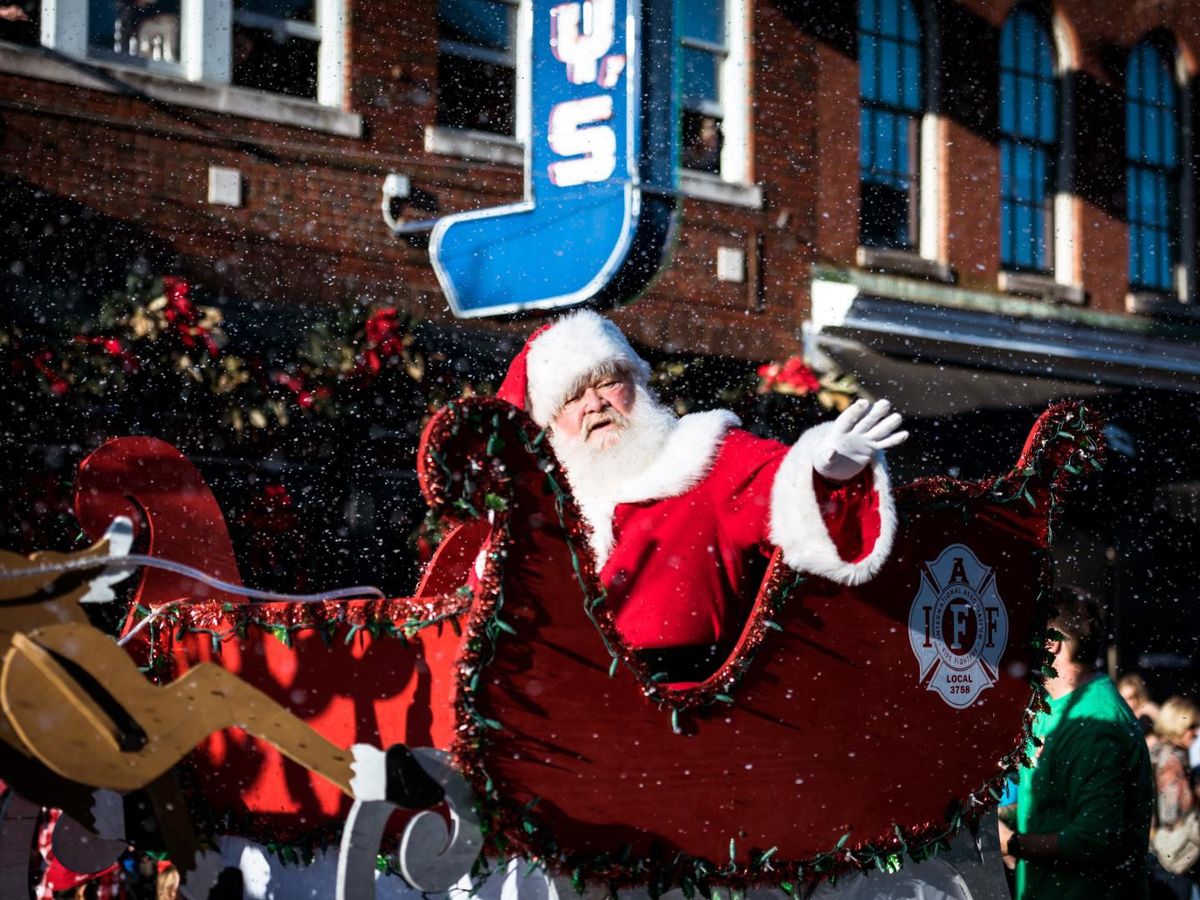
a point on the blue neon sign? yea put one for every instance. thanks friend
(599, 203)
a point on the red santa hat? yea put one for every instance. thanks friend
(560, 357)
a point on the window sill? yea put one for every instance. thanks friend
(904, 262)
(703, 186)
(478, 146)
(113, 78)
(1166, 306)
(1044, 287)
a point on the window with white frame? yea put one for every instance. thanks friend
(704, 50)
(479, 57)
(714, 88)
(477, 65)
(290, 47)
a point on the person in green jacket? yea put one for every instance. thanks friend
(1082, 821)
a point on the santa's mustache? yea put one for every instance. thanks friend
(609, 417)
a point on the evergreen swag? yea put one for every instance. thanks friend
(292, 409)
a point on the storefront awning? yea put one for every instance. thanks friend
(946, 351)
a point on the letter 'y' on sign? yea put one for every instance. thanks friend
(600, 169)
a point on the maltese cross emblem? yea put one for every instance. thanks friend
(958, 626)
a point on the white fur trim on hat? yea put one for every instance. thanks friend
(798, 528)
(573, 348)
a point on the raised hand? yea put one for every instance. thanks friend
(861, 431)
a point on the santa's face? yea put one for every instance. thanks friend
(597, 414)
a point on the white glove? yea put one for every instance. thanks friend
(857, 434)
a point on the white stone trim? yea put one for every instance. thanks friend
(114, 79)
(735, 86)
(1067, 262)
(64, 26)
(206, 59)
(705, 186)
(474, 145)
(331, 54)
(904, 262)
(1046, 287)
(930, 231)
(206, 30)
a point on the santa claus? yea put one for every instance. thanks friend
(684, 512)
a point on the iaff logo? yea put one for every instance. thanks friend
(958, 626)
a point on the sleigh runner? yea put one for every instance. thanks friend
(847, 727)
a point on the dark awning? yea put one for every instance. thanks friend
(949, 350)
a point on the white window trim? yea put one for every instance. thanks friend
(483, 146)
(932, 234)
(479, 146)
(523, 96)
(226, 99)
(1067, 261)
(736, 165)
(206, 65)
(1185, 270)
(929, 255)
(706, 186)
(475, 144)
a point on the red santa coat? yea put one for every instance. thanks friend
(683, 545)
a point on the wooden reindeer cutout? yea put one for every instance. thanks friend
(78, 715)
(77, 702)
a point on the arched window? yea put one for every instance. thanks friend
(1028, 144)
(892, 100)
(1151, 169)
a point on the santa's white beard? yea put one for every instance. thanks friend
(596, 468)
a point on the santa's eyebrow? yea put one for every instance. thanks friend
(595, 376)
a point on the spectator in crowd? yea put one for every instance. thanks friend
(1132, 688)
(167, 886)
(1082, 819)
(1175, 780)
(702, 142)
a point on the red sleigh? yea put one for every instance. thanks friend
(848, 726)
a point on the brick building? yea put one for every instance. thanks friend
(976, 206)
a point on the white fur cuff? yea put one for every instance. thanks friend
(798, 528)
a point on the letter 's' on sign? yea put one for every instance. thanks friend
(599, 167)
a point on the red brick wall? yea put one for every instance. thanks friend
(310, 230)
